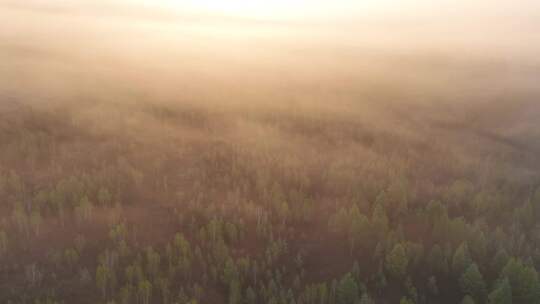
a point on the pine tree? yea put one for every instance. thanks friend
(397, 262)
(501, 294)
(358, 230)
(437, 260)
(461, 260)
(523, 280)
(472, 283)
(102, 279)
(347, 290)
(104, 197)
(145, 291)
(500, 260)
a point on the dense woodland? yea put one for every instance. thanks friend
(153, 154)
(188, 203)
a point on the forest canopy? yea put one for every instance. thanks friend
(157, 157)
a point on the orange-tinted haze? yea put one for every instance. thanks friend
(308, 53)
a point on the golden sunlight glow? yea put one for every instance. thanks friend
(274, 9)
(249, 7)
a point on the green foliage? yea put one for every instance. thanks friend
(3, 243)
(347, 291)
(461, 260)
(472, 283)
(118, 232)
(437, 260)
(524, 282)
(216, 222)
(72, 257)
(104, 197)
(412, 292)
(144, 291)
(380, 280)
(436, 212)
(339, 221)
(103, 276)
(500, 260)
(396, 262)
(501, 294)
(524, 216)
(153, 261)
(235, 294)
(405, 300)
(359, 230)
(379, 221)
(468, 300)
(84, 210)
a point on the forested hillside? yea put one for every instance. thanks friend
(175, 203)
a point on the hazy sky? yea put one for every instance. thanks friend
(307, 9)
(491, 25)
(128, 40)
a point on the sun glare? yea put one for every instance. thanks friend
(275, 9)
(244, 7)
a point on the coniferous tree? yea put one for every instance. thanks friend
(347, 291)
(461, 260)
(523, 281)
(396, 262)
(501, 294)
(472, 283)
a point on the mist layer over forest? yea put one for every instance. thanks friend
(160, 152)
